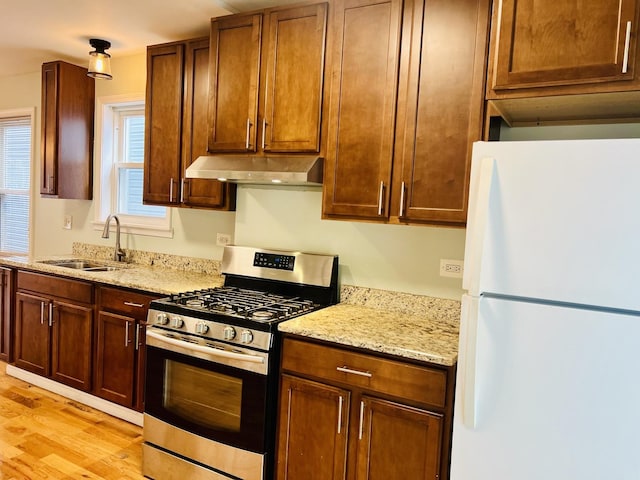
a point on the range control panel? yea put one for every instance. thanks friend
(274, 260)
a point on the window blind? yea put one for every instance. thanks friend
(15, 179)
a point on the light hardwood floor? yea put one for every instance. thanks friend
(46, 436)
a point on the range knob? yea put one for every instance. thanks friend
(177, 322)
(202, 328)
(229, 333)
(246, 336)
(162, 319)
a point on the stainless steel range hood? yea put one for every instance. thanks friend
(259, 170)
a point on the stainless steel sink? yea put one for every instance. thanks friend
(84, 265)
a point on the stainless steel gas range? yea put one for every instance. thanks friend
(212, 364)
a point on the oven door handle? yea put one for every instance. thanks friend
(208, 350)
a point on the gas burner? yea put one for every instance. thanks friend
(262, 315)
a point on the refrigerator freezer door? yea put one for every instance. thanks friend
(560, 221)
(557, 395)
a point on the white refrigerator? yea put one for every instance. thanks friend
(548, 380)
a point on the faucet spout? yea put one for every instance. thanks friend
(118, 254)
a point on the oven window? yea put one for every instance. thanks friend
(211, 399)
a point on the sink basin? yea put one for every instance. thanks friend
(84, 265)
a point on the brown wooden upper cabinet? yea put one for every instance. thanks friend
(266, 80)
(546, 43)
(406, 104)
(68, 97)
(176, 127)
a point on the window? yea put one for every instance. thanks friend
(15, 181)
(121, 166)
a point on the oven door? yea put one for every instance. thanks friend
(220, 402)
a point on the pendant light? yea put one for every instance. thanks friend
(99, 60)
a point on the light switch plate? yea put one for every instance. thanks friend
(68, 221)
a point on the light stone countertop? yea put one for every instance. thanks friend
(153, 273)
(410, 326)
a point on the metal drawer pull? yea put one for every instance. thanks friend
(126, 335)
(380, 197)
(132, 304)
(627, 40)
(345, 369)
(137, 336)
(340, 402)
(361, 420)
(51, 314)
(41, 313)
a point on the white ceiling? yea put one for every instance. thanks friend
(38, 31)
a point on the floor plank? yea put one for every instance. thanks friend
(46, 436)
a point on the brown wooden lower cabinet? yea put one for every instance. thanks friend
(119, 353)
(350, 415)
(54, 328)
(56, 335)
(6, 310)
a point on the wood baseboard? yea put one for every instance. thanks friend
(105, 406)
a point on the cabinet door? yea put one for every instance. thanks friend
(366, 36)
(68, 97)
(49, 140)
(293, 95)
(33, 339)
(163, 124)
(234, 76)
(199, 192)
(397, 442)
(312, 440)
(440, 108)
(72, 345)
(115, 358)
(546, 42)
(6, 328)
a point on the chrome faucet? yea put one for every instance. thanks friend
(118, 254)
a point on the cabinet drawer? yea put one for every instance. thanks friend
(408, 381)
(56, 286)
(125, 302)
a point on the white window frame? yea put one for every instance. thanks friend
(31, 113)
(106, 180)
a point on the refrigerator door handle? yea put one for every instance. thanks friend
(468, 341)
(479, 199)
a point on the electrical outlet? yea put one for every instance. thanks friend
(68, 221)
(223, 239)
(451, 268)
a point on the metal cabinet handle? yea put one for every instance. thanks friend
(360, 429)
(132, 304)
(51, 182)
(340, 402)
(126, 335)
(402, 188)
(51, 314)
(171, 190)
(182, 190)
(137, 336)
(248, 132)
(627, 41)
(345, 369)
(41, 313)
(264, 131)
(380, 197)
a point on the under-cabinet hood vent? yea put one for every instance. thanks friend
(259, 170)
